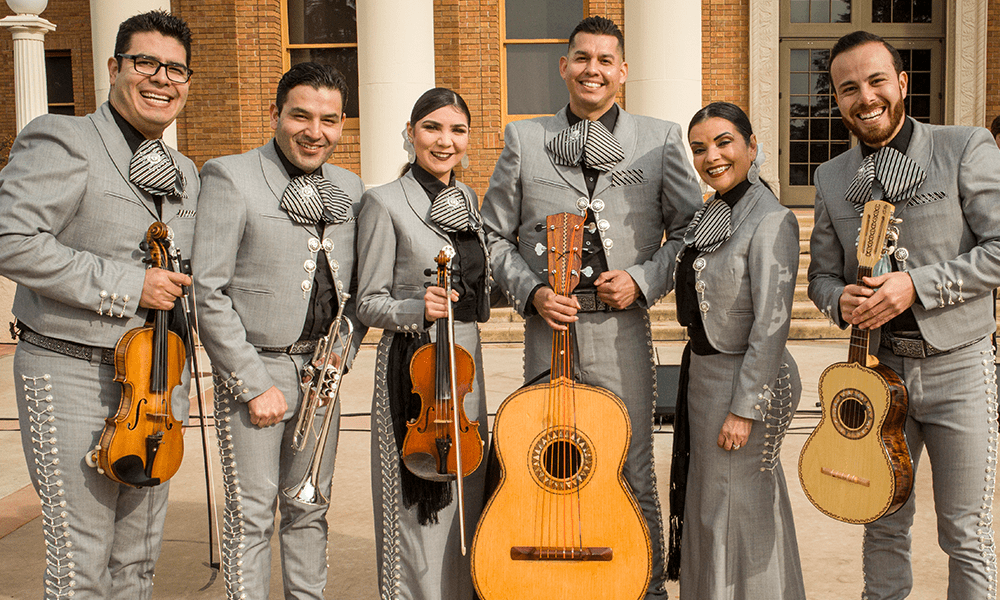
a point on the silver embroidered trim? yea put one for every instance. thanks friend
(233, 528)
(59, 565)
(777, 413)
(390, 578)
(984, 529)
(652, 459)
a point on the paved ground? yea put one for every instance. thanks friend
(830, 550)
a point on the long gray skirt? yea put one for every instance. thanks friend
(739, 537)
(417, 562)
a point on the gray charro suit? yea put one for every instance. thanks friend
(739, 536)
(70, 228)
(651, 193)
(397, 243)
(953, 247)
(252, 287)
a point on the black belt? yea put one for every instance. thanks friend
(305, 347)
(589, 302)
(908, 346)
(71, 349)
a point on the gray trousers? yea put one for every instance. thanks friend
(953, 414)
(615, 351)
(257, 464)
(101, 538)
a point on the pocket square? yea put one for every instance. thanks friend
(627, 177)
(925, 198)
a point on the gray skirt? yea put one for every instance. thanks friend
(418, 562)
(739, 537)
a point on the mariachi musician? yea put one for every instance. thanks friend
(631, 178)
(76, 200)
(273, 248)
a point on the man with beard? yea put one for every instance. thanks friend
(273, 249)
(930, 310)
(630, 177)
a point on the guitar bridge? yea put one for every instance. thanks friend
(846, 477)
(594, 553)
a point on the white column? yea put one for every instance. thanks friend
(31, 94)
(663, 51)
(395, 66)
(105, 17)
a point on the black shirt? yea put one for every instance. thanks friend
(688, 310)
(468, 267)
(904, 321)
(323, 301)
(133, 138)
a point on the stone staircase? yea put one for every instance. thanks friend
(807, 322)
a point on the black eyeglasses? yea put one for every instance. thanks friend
(149, 66)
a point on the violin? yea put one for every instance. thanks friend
(442, 374)
(143, 444)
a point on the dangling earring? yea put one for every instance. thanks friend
(411, 153)
(753, 175)
(465, 161)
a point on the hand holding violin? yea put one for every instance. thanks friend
(161, 288)
(436, 303)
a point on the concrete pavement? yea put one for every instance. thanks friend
(830, 550)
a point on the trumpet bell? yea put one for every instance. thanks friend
(306, 493)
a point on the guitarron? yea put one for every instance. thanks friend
(562, 523)
(855, 466)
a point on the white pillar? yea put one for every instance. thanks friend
(31, 94)
(663, 51)
(395, 66)
(105, 17)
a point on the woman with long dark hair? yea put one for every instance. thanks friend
(402, 227)
(734, 282)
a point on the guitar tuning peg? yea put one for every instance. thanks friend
(896, 220)
(540, 227)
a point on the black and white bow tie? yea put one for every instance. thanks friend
(453, 211)
(588, 142)
(153, 170)
(312, 198)
(899, 175)
(710, 226)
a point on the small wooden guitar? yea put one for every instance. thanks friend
(855, 466)
(562, 523)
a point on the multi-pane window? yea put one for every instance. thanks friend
(901, 11)
(815, 131)
(534, 35)
(325, 31)
(59, 80)
(820, 11)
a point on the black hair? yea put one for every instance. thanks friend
(316, 75)
(730, 112)
(432, 100)
(858, 38)
(995, 126)
(598, 26)
(158, 21)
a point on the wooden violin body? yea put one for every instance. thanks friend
(563, 522)
(435, 447)
(143, 444)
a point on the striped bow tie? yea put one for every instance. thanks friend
(588, 142)
(454, 211)
(153, 170)
(312, 198)
(710, 226)
(899, 175)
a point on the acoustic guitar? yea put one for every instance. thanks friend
(855, 466)
(562, 523)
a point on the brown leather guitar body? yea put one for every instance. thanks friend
(855, 466)
(562, 523)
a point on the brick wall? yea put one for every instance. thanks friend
(72, 20)
(725, 52)
(992, 61)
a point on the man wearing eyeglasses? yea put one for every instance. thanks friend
(76, 200)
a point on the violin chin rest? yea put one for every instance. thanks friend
(129, 469)
(425, 466)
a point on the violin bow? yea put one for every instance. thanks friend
(455, 408)
(191, 322)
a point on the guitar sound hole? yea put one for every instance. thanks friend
(852, 414)
(562, 460)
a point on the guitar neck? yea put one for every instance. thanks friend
(858, 352)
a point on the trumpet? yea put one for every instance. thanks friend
(320, 386)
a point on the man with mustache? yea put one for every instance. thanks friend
(631, 177)
(273, 250)
(930, 310)
(76, 200)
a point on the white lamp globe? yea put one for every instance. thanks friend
(27, 7)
